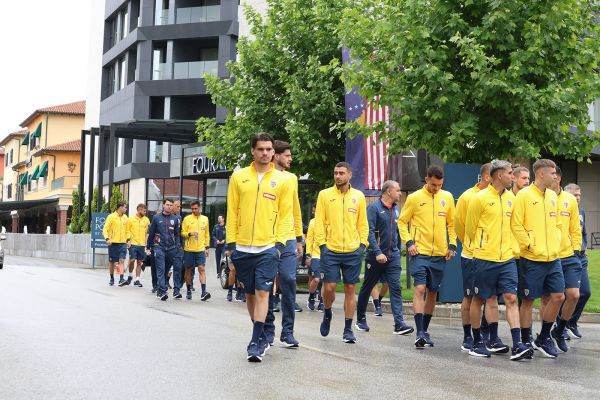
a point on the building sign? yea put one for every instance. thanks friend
(206, 165)
(98, 241)
(195, 162)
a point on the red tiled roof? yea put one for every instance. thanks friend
(76, 108)
(17, 134)
(74, 145)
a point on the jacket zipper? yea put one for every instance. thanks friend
(343, 224)
(433, 233)
(546, 227)
(390, 231)
(481, 239)
(255, 206)
(501, 225)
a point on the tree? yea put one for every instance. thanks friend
(475, 80)
(75, 226)
(115, 198)
(84, 221)
(286, 81)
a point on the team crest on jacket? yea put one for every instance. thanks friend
(566, 205)
(553, 203)
(353, 200)
(273, 184)
(443, 203)
(172, 222)
(509, 203)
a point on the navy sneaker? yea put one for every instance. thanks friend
(238, 295)
(289, 341)
(546, 347)
(111, 282)
(520, 352)
(560, 340)
(321, 306)
(378, 310)
(566, 334)
(164, 297)
(154, 289)
(403, 329)
(229, 296)
(325, 326)
(128, 281)
(254, 352)
(362, 326)
(496, 346)
(138, 284)
(297, 307)
(467, 344)
(205, 296)
(188, 295)
(479, 350)
(121, 282)
(276, 306)
(243, 296)
(310, 303)
(428, 339)
(263, 345)
(269, 337)
(348, 336)
(573, 331)
(420, 341)
(177, 294)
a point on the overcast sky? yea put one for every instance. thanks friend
(44, 56)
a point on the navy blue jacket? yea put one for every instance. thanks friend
(165, 231)
(583, 231)
(383, 228)
(218, 233)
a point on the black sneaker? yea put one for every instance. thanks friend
(420, 341)
(138, 284)
(297, 307)
(188, 295)
(403, 329)
(154, 290)
(129, 280)
(229, 296)
(164, 297)
(362, 326)
(348, 336)
(254, 352)
(558, 337)
(573, 331)
(121, 281)
(177, 295)
(520, 352)
(111, 282)
(205, 296)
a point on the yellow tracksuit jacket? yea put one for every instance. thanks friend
(295, 218)
(535, 224)
(137, 230)
(311, 245)
(341, 220)
(568, 215)
(253, 208)
(115, 228)
(428, 221)
(191, 224)
(488, 225)
(460, 216)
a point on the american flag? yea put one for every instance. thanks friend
(376, 150)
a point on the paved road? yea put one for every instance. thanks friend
(64, 334)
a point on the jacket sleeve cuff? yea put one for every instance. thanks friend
(231, 246)
(452, 247)
(409, 243)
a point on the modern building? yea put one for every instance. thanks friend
(42, 169)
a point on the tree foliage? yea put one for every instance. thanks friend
(286, 81)
(115, 198)
(473, 80)
(75, 225)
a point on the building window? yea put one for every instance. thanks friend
(9, 191)
(42, 182)
(161, 12)
(155, 151)
(122, 71)
(160, 189)
(124, 23)
(11, 156)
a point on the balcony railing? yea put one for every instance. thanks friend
(162, 18)
(68, 182)
(195, 69)
(159, 72)
(190, 15)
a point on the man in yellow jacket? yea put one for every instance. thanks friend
(341, 232)
(255, 232)
(466, 256)
(115, 234)
(569, 254)
(536, 227)
(488, 230)
(196, 241)
(426, 225)
(137, 234)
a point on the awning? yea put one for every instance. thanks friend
(35, 174)
(43, 170)
(25, 141)
(23, 180)
(37, 132)
(25, 205)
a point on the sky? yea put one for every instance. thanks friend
(44, 63)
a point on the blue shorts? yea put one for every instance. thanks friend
(117, 252)
(541, 278)
(315, 268)
(466, 266)
(428, 271)
(256, 271)
(494, 278)
(341, 265)
(572, 270)
(192, 259)
(137, 253)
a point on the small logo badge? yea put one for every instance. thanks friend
(273, 184)
(172, 222)
(443, 203)
(509, 203)
(422, 204)
(353, 200)
(553, 203)
(526, 291)
(476, 290)
(566, 204)
(468, 292)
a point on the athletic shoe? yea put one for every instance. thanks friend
(310, 303)
(164, 297)
(520, 351)
(177, 295)
(154, 289)
(546, 347)
(238, 295)
(467, 344)
(362, 326)
(560, 340)
(297, 307)
(348, 336)
(573, 331)
(188, 295)
(325, 326)
(128, 281)
(428, 339)
(497, 347)
(321, 306)
(243, 296)
(479, 350)
(263, 345)
(566, 334)
(270, 338)
(111, 282)
(276, 308)
(403, 329)
(192, 288)
(254, 352)
(138, 284)
(378, 310)
(420, 341)
(122, 282)
(229, 296)
(205, 296)
(289, 341)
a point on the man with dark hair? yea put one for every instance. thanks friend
(487, 228)
(256, 235)
(426, 224)
(286, 268)
(115, 234)
(137, 231)
(466, 259)
(570, 248)
(218, 237)
(195, 233)
(164, 237)
(341, 231)
(536, 227)
(383, 256)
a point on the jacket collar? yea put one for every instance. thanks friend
(385, 206)
(427, 192)
(338, 190)
(255, 171)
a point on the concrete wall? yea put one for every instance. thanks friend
(73, 248)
